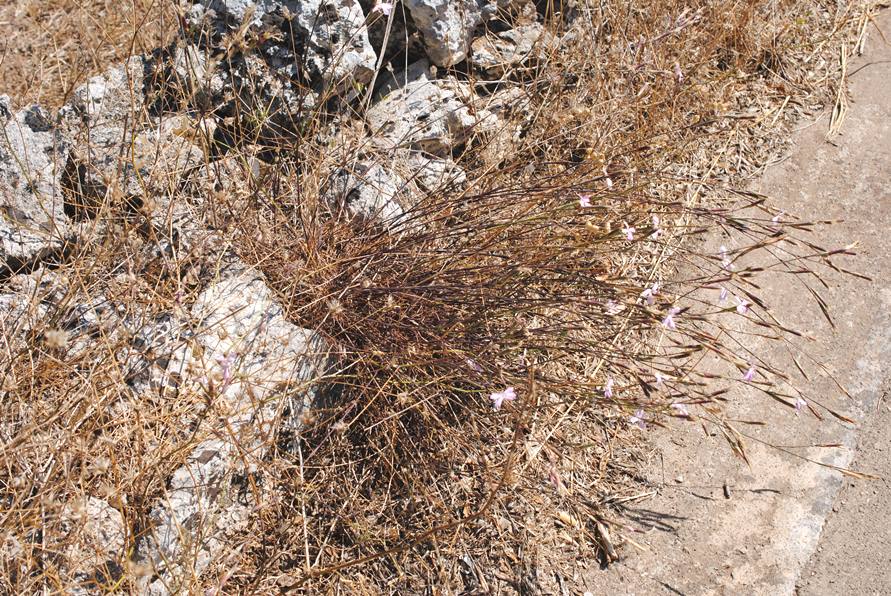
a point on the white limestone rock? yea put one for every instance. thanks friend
(337, 54)
(447, 27)
(367, 191)
(496, 55)
(257, 366)
(95, 536)
(32, 216)
(434, 116)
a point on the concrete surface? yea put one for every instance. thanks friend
(790, 526)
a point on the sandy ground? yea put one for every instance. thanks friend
(784, 525)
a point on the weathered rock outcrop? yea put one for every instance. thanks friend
(336, 52)
(497, 55)
(263, 373)
(431, 115)
(447, 27)
(95, 535)
(99, 123)
(32, 213)
(367, 191)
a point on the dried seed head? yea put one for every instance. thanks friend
(101, 465)
(56, 339)
(335, 307)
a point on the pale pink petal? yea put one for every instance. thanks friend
(500, 397)
(725, 259)
(678, 75)
(669, 321)
(613, 308)
(681, 409)
(638, 419)
(384, 8)
(649, 294)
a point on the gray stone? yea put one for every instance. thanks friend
(189, 78)
(24, 306)
(257, 366)
(490, 9)
(120, 160)
(99, 124)
(497, 55)
(447, 27)
(367, 191)
(108, 102)
(337, 55)
(227, 177)
(152, 361)
(389, 80)
(95, 537)
(431, 173)
(428, 115)
(32, 216)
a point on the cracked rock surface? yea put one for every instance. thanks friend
(263, 372)
(32, 216)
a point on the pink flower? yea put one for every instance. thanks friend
(649, 294)
(608, 389)
(628, 231)
(678, 75)
(750, 374)
(613, 308)
(384, 8)
(741, 306)
(638, 419)
(681, 409)
(656, 230)
(473, 364)
(669, 321)
(584, 201)
(799, 404)
(725, 260)
(776, 218)
(227, 362)
(499, 398)
(723, 295)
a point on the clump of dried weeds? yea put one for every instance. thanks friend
(51, 46)
(502, 344)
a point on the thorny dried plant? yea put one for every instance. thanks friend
(500, 346)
